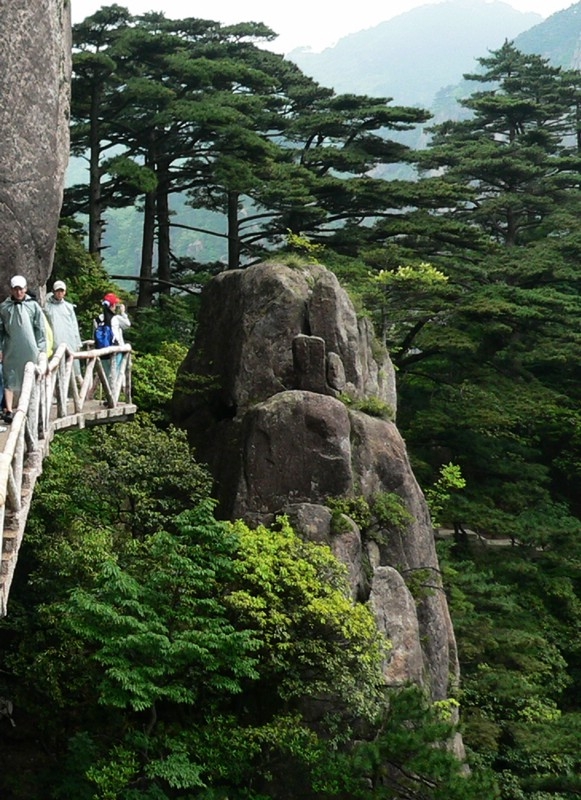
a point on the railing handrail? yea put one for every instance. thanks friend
(49, 390)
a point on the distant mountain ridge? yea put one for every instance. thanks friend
(557, 38)
(412, 56)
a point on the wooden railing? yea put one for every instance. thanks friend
(71, 390)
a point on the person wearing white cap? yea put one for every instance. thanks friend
(63, 319)
(22, 339)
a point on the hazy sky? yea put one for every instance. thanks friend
(299, 22)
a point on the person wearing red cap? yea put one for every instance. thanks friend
(112, 300)
(114, 314)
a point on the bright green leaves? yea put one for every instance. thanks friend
(438, 495)
(158, 626)
(314, 639)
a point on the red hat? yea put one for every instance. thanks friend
(112, 299)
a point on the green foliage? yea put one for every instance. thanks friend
(133, 475)
(355, 507)
(438, 495)
(481, 332)
(388, 508)
(382, 511)
(111, 778)
(172, 320)
(373, 406)
(153, 378)
(403, 300)
(148, 475)
(420, 583)
(81, 756)
(422, 275)
(196, 108)
(517, 616)
(294, 595)
(102, 491)
(156, 625)
(301, 244)
(155, 634)
(408, 758)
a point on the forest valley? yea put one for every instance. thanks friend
(152, 651)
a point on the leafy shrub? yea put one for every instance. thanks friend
(438, 495)
(388, 508)
(154, 378)
(385, 509)
(316, 641)
(357, 508)
(373, 406)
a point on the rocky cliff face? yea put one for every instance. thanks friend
(35, 51)
(274, 395)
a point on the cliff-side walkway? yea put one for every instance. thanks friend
(56, 395)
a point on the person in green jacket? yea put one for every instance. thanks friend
(22, 339)
(63, 320)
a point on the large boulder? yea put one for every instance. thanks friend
(308, 433)
(35, 63)
(269, 395)
(244, 350)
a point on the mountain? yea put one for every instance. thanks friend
(411, 56)
(558, 38)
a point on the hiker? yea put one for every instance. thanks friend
(63, 320)
(22, 339)
(115, 317)
(109, 327)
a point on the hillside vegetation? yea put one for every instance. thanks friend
(470, 273)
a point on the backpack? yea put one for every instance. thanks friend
(103, 334)
(49, 336)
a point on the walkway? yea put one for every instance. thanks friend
(53, 399)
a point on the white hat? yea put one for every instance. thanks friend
(59, 285)
(18, 281)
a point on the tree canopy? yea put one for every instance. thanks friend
(469, 269)
(166, 107)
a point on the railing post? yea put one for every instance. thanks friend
(128, 384)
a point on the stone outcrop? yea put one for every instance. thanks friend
(273, 394)
(35, 47)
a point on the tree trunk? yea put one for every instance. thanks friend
(146, 271)
(95, 206)
(145, 295)
(233, 240)
(163, 236)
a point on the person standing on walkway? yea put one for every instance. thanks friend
(115, 315)
(22, 339)
(63, 320)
